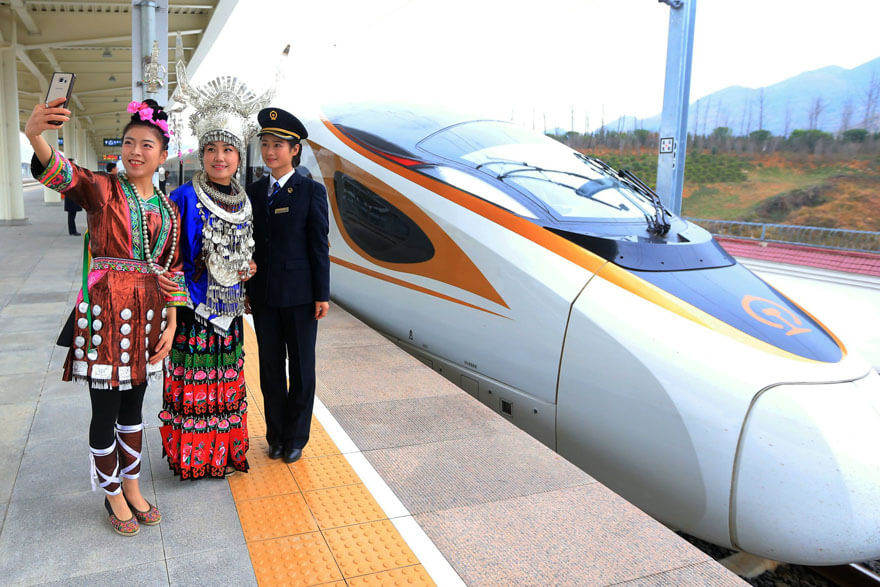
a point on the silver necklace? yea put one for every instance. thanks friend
(148, 254)
(236, 198)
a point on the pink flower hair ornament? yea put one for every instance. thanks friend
(146, 114)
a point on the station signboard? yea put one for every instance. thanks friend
(112, 142)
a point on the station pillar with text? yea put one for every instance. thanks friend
(11, 194)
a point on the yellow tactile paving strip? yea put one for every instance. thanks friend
(313, 522)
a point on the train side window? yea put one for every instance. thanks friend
(376, 226)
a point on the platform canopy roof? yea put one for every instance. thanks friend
(92, 39)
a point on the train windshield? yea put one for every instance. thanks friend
(541, 167)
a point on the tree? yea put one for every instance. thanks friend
(760, 135)
(872, 95)
(761, 108)
(642, 136)
(855, 135)
(787, 123)
(846, 114)
(816, 108)
(721, 132)
(809, 139)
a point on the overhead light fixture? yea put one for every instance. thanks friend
(106, 54)
(112, 78)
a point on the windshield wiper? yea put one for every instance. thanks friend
(658, 224)
(502, 161)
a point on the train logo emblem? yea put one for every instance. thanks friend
(773, 314)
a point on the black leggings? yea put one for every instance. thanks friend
(110, 406)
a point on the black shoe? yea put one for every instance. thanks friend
(275, 451)
(292, 455)
(74, 234)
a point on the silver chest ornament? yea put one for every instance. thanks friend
(227, 242)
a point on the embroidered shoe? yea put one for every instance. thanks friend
(127, 527)
(150, 517)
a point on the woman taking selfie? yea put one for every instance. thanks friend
(123, 323)
(204, 416)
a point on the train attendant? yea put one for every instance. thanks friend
(291, 291)
(124, 324)
(204, 416)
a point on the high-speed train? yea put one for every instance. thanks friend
(561, 294)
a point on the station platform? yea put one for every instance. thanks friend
(407, 479)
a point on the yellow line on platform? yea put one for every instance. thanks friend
(313, 522)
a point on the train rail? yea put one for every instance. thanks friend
(854, 575)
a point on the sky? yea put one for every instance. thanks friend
(527, 59)
(543, 64)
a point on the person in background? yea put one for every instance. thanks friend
(124, 325)
(111, 168)
(71, 207)
(291, 291)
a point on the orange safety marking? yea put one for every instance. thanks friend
(313, 522)
(260, 520)
(368, 548)
(323, 472)
(406, 576)
(408, 285)
(320, 444)
(262, 480)
(343, 506)
(304, 559)
(449, 264)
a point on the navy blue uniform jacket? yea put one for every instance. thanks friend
(292, 250)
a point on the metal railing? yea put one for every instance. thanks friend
(814, 236)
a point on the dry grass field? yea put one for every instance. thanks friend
(785, 188)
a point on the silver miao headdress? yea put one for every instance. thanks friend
(224, 107)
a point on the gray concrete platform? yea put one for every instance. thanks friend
(501, 507)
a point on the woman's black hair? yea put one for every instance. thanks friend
(158, 114)
(298, 156)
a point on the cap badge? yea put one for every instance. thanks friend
(273, 115)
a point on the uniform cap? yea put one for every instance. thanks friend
(281, 123)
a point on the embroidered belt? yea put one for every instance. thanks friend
(127, 265)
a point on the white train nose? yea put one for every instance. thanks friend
(806, 484)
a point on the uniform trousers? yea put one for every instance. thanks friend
(287, 333)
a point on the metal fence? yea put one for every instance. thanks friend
(814, 236)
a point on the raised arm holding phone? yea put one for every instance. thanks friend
(123, 323)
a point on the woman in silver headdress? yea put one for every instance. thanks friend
(204, 415)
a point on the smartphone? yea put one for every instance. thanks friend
(61, 86)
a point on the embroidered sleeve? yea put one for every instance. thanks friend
(175, 272)
(58, 173)
(90, 190)
(178, 297)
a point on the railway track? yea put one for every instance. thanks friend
(855, 575)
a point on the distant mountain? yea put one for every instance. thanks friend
(738, 108)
